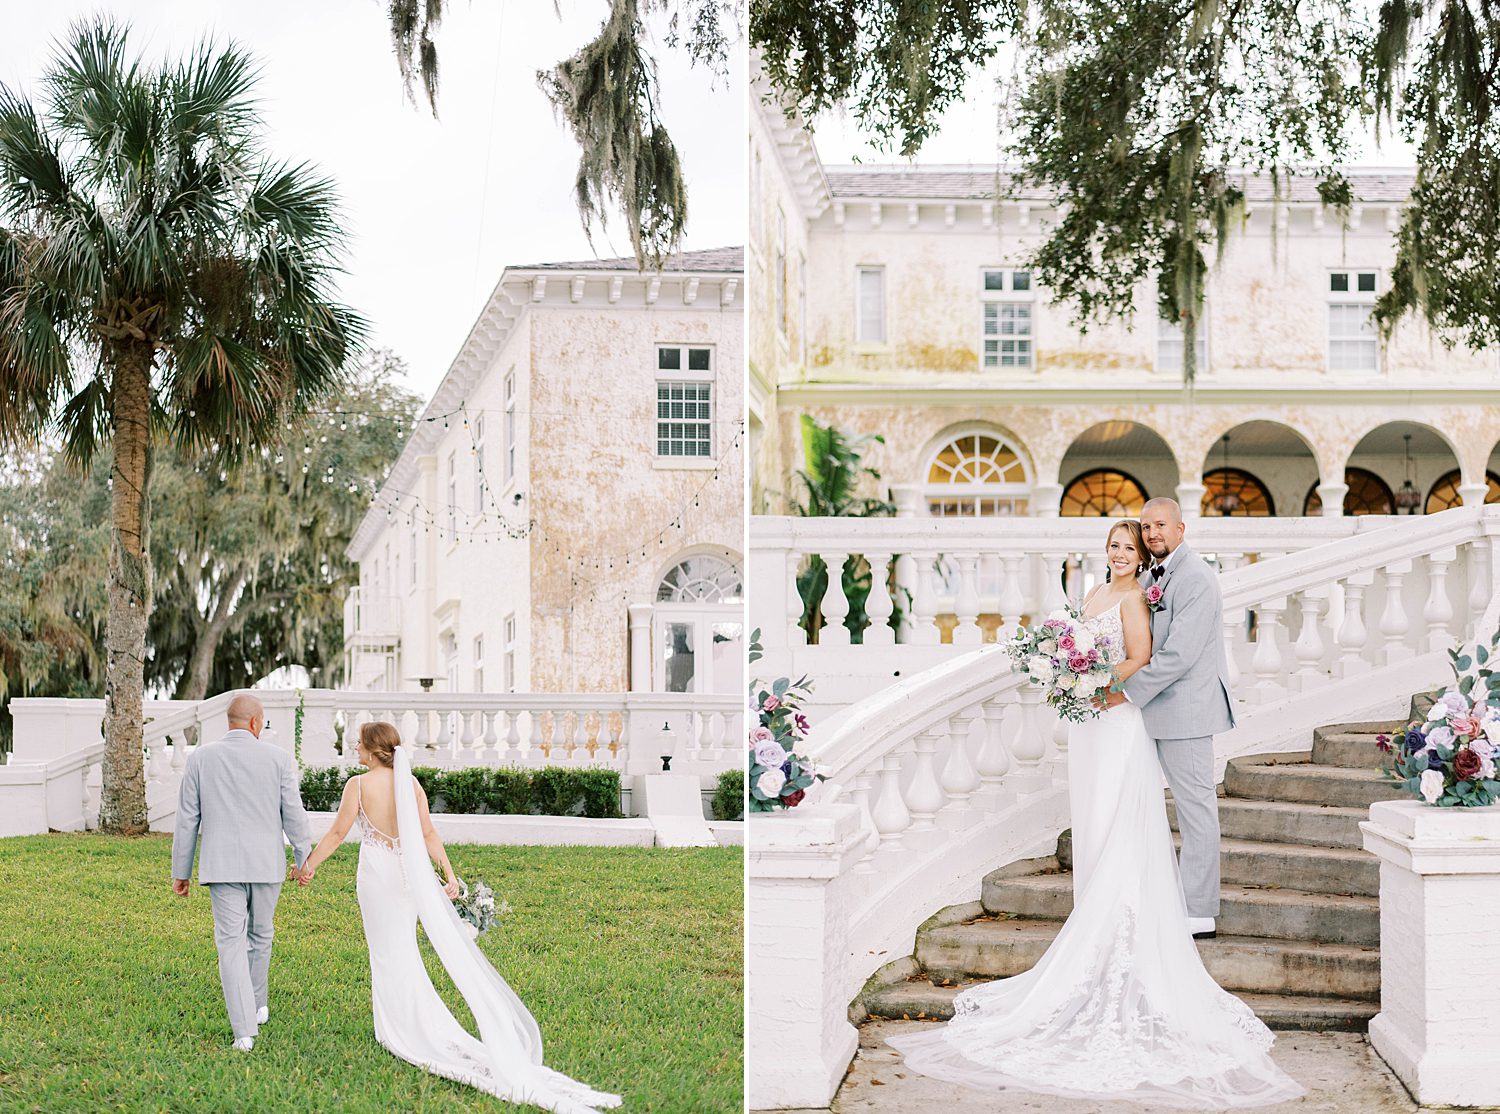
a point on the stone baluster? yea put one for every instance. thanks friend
(924, 603)
(1094, 566)
(879, 606)
(622, 740)
(1352, 636)
(966, 602)
(1073, 578)
(835, 603)
(860, 792)
(423, 739)
(960, 780)
(1266, 662)
(510, 731)
(1060, 728)
(179, 754)
(489, 755)
(557, 747)
(1437, 612)
(160, 766)
(994, 759)
(1052, 595)
(1012, 599)
(924, 796)
(796, 636)
(578, 751)
(1234, 628)
(444, 741)
(534, 755)
(1479, 579)
(890, 813)
(1394, 623)
(1029, 743)
(466, 753)
(1309, 646)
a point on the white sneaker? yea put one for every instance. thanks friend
(1202, 927)
(244, 1044)
(262, 1015)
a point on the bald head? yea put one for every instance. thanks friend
(1161, 526)
(246, 713)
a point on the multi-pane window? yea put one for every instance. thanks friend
(1007, 312)
(1170, 344)
(510, 653)
(479, 663)
(413, 556)
(780, 276)
(479, 480)
(510, 427)
(1351, 329)
(870, 326)
(684, 401)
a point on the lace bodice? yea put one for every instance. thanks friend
(368, 832)
(1107, 625)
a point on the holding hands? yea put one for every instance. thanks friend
(301, 875)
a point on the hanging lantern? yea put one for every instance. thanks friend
(1226, 502)
(1408, 499)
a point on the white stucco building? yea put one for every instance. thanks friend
(566, 516)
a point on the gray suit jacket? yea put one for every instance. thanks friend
(241, 794)
(1183, 692)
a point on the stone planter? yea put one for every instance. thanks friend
(1439, 942)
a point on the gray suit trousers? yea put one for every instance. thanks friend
(242, 931)
(1189, 766)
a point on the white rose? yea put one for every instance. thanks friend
(1432, 785)
(1061, 613)
(1048, 647)
(771, 782)
(1083, 640)
(1491, 726)
(1063, 683)
(1086, 686)
(1042, 673)
(769, 752)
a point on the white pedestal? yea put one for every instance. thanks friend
(674, 805)
(800, 1041)
(1439, 942)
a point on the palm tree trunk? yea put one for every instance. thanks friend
(122, 806)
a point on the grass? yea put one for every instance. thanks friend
(630, 959)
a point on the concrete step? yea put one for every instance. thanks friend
(1244, 911)
(919, 999)
(1285, 866)
(1286, 822)
(997, 948)
(1293, 777)
(1350, 746)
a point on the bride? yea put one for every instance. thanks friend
(1120, 1005)
(396, 886)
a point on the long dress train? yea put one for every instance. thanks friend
(396, 887)
(1120, 1005)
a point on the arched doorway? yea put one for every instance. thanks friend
(1256, 467)
(1103, 493)
(976, 473)
(698, 624)
(1367, 494)
(1409, 458)
(1109, 464)
(1234, 491)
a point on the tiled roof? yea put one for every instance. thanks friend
(726, 260)
(979, 182)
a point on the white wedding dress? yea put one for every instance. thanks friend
(1120, 1005)
(397, 886)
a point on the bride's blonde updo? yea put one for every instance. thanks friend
(380, 741)
(1137, 539)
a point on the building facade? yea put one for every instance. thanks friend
(896, 301)
(566, 516)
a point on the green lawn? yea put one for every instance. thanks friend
(630, 959)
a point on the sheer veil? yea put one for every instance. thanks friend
(511, 1038)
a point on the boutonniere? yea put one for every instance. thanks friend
(1155, 595)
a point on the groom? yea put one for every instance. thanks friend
(241, 793)
(1183, 694)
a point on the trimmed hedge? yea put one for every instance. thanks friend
(729, 798)
(549, 791)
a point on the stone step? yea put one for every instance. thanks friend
(1286, 822)
(1244, 911)
(1293, 777)
(1347, 746)
(920, 1000)
(1285, 866)
(997, 948)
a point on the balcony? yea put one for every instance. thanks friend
(371, 620)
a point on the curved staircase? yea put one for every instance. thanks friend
(1299, 926)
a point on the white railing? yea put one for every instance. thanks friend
(371, 616)
(54, 776)
(949, 772)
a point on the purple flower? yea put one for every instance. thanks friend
(1433, 761)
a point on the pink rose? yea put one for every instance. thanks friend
(772, 703)
(1078, 663)
(1065, 642)
(1464, 725)
(760, 735)
(1154, 594)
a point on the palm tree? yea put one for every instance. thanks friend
(160, 280)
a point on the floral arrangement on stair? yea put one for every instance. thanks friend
(1067, 660)
(1448, 759)
(779, 776)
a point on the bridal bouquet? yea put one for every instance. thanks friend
(1449, 758)
(1063, 656)
(779, 776)
(477, 908)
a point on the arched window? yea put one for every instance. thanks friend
(1105, 493)
(1368, 494)
(1243, 493)
(1444, 494)
(702, 578)
(977, 475)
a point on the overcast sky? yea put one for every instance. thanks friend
(436, 208)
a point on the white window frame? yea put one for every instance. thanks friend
(802, 308)
(510, 652)
(413, 555)
(1169, 333)
(510, 427)
(1007, 295)
(479, 477)
(860, 336)
(699, 378)
(452, 489)
(1352, 297)
(780, 274)
(479, 663)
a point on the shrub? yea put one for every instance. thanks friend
(601, 792)
(465, 790)
(508, 792)
(729, 798)
(430, 779)
(322, 786)
(549, 791)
